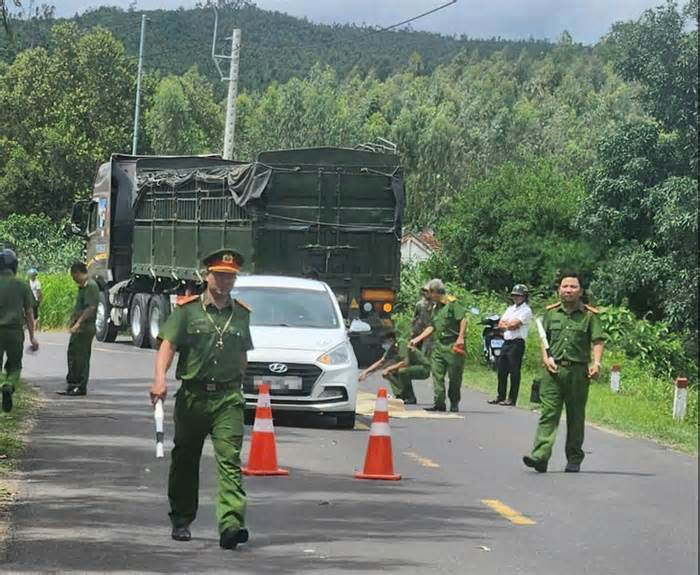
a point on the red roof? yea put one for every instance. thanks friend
(426, 238)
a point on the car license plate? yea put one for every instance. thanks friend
(496, 343)
(275, 383)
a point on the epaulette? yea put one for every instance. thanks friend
(591, 308)
(450, 298)
(553, 306)
(185, 299)
(243, 305)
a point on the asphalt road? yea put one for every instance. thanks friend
(95, 501)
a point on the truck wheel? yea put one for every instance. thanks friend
(345, 420)
(106, 330)
(158, 311)
(138, 320)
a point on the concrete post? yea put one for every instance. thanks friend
(680, 398)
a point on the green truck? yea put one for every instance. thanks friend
(332, 214)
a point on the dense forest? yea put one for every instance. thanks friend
(524, 157)
(275, 47)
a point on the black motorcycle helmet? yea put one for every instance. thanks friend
(8, 260)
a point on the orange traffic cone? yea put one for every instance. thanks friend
(262, 459)
(378, 461)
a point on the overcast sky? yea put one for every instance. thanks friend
(586, 20)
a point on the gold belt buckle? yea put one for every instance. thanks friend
(210, 387)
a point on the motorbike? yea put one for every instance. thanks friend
(492, 339)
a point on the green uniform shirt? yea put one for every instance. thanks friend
(570, 334)
(421, 316)
(88, 295)
(190, 330)
(400, 352)
(16, 300)
(446, 319)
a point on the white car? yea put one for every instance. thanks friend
(301, 347)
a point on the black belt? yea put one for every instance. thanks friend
(567, 363)
(211, 386)
(516, 340)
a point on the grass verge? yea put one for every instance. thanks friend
(13, 429)
(630, 414)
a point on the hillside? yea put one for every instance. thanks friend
(275, 46)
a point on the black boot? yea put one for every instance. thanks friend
(232, 536)
(6, 399)
(436, 408)
(181, 533)
(536, 464)
(572, 467)
(454, 408)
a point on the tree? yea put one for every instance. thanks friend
(183, 117)
(65, 109)
(661, 53)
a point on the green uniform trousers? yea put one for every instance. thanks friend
(197, 414)
(402, 380)
(568, 387)
(11, 345)
(79, 351)
(445, 362)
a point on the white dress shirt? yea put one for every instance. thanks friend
(520, 312)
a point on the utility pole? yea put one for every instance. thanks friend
(134, 144)
(230, 126)
(232, 94)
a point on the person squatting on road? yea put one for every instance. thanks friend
(82, 331)
(402, 364)
(448, 325)
(211, 332)
(16, 305)
(422, 314)
(573, 330)
(515, 324)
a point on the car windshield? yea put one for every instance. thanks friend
(288, 307)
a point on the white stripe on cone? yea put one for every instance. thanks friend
(381, 405)
(380, 429)
(263, 425)
(264, 400)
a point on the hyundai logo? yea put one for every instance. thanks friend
(277, 368)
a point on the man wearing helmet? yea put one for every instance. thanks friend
(514, 323)
(16, 311)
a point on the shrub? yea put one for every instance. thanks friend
(59, 298)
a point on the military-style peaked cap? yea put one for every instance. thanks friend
(225, 260)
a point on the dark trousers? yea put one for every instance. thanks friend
(79, 350)
(509, 362)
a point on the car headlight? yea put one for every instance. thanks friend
(337, 356)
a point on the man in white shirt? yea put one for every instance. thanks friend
(515, 324)
(35, 286)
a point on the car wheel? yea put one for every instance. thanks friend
(345, 420)
(138, 320)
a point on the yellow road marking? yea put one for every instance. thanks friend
(424, 461)
(508, 512)
(361, 426)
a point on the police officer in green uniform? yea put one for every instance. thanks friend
(16, 311)
(573, 330)
(448, 325)
(402, 364)
(212, 335)
(422, 313)
(82, 331)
